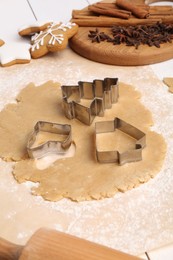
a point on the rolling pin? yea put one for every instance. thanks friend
(47, 244)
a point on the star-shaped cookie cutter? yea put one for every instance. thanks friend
(63, 132)
(101, 93)
(115, 156)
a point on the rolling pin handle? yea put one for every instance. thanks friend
(9, 251)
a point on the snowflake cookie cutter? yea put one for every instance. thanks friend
(60, 145)
(101, 94)
(131, 155)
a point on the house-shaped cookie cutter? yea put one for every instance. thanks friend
(115, 156)
(51, 146)
(101, 93)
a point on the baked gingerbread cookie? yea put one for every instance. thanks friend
(34, 27)
(1, 42)
(52, 39)
(14, 53)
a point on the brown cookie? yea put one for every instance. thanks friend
(34, 28)
(54, 38)
(1, 42)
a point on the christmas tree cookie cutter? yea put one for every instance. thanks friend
(101, 93)
(63, 132)
(131, 155)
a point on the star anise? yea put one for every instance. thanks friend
(151, 35)
(97, 36)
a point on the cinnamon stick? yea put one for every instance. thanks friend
(164, 18)
(114, 7)
(155, 7)
(106, 5)
(161, 7)
(168, 19)
(137, 11)
(160, 12)
(85, 12)
(80, 14)
(166, 9)
(144, 6)
(160, 16)
(108, 12)
(109, 22)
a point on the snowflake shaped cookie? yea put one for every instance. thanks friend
(14, 53)
(54, 38)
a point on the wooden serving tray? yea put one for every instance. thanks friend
(122, 55)
(105, 52)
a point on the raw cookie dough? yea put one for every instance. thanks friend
(169, 83)
(80, 177)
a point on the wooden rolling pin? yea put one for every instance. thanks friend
(48, 244)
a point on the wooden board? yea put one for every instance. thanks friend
(122, 55)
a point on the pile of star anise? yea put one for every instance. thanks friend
(152, 35)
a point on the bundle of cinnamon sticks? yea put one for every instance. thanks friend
(122, 12)
(121, 8)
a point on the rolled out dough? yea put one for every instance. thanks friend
(169, 83)
(80, 177)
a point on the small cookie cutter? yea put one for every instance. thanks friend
(102, 93)
(115, 156)
(50, 146)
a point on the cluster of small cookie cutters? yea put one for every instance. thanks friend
(102, 95)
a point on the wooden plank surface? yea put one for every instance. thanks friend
(56, 10)
(13, 15)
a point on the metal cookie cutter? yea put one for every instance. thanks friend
(102, 93)
(63, 133)
(115, 156)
